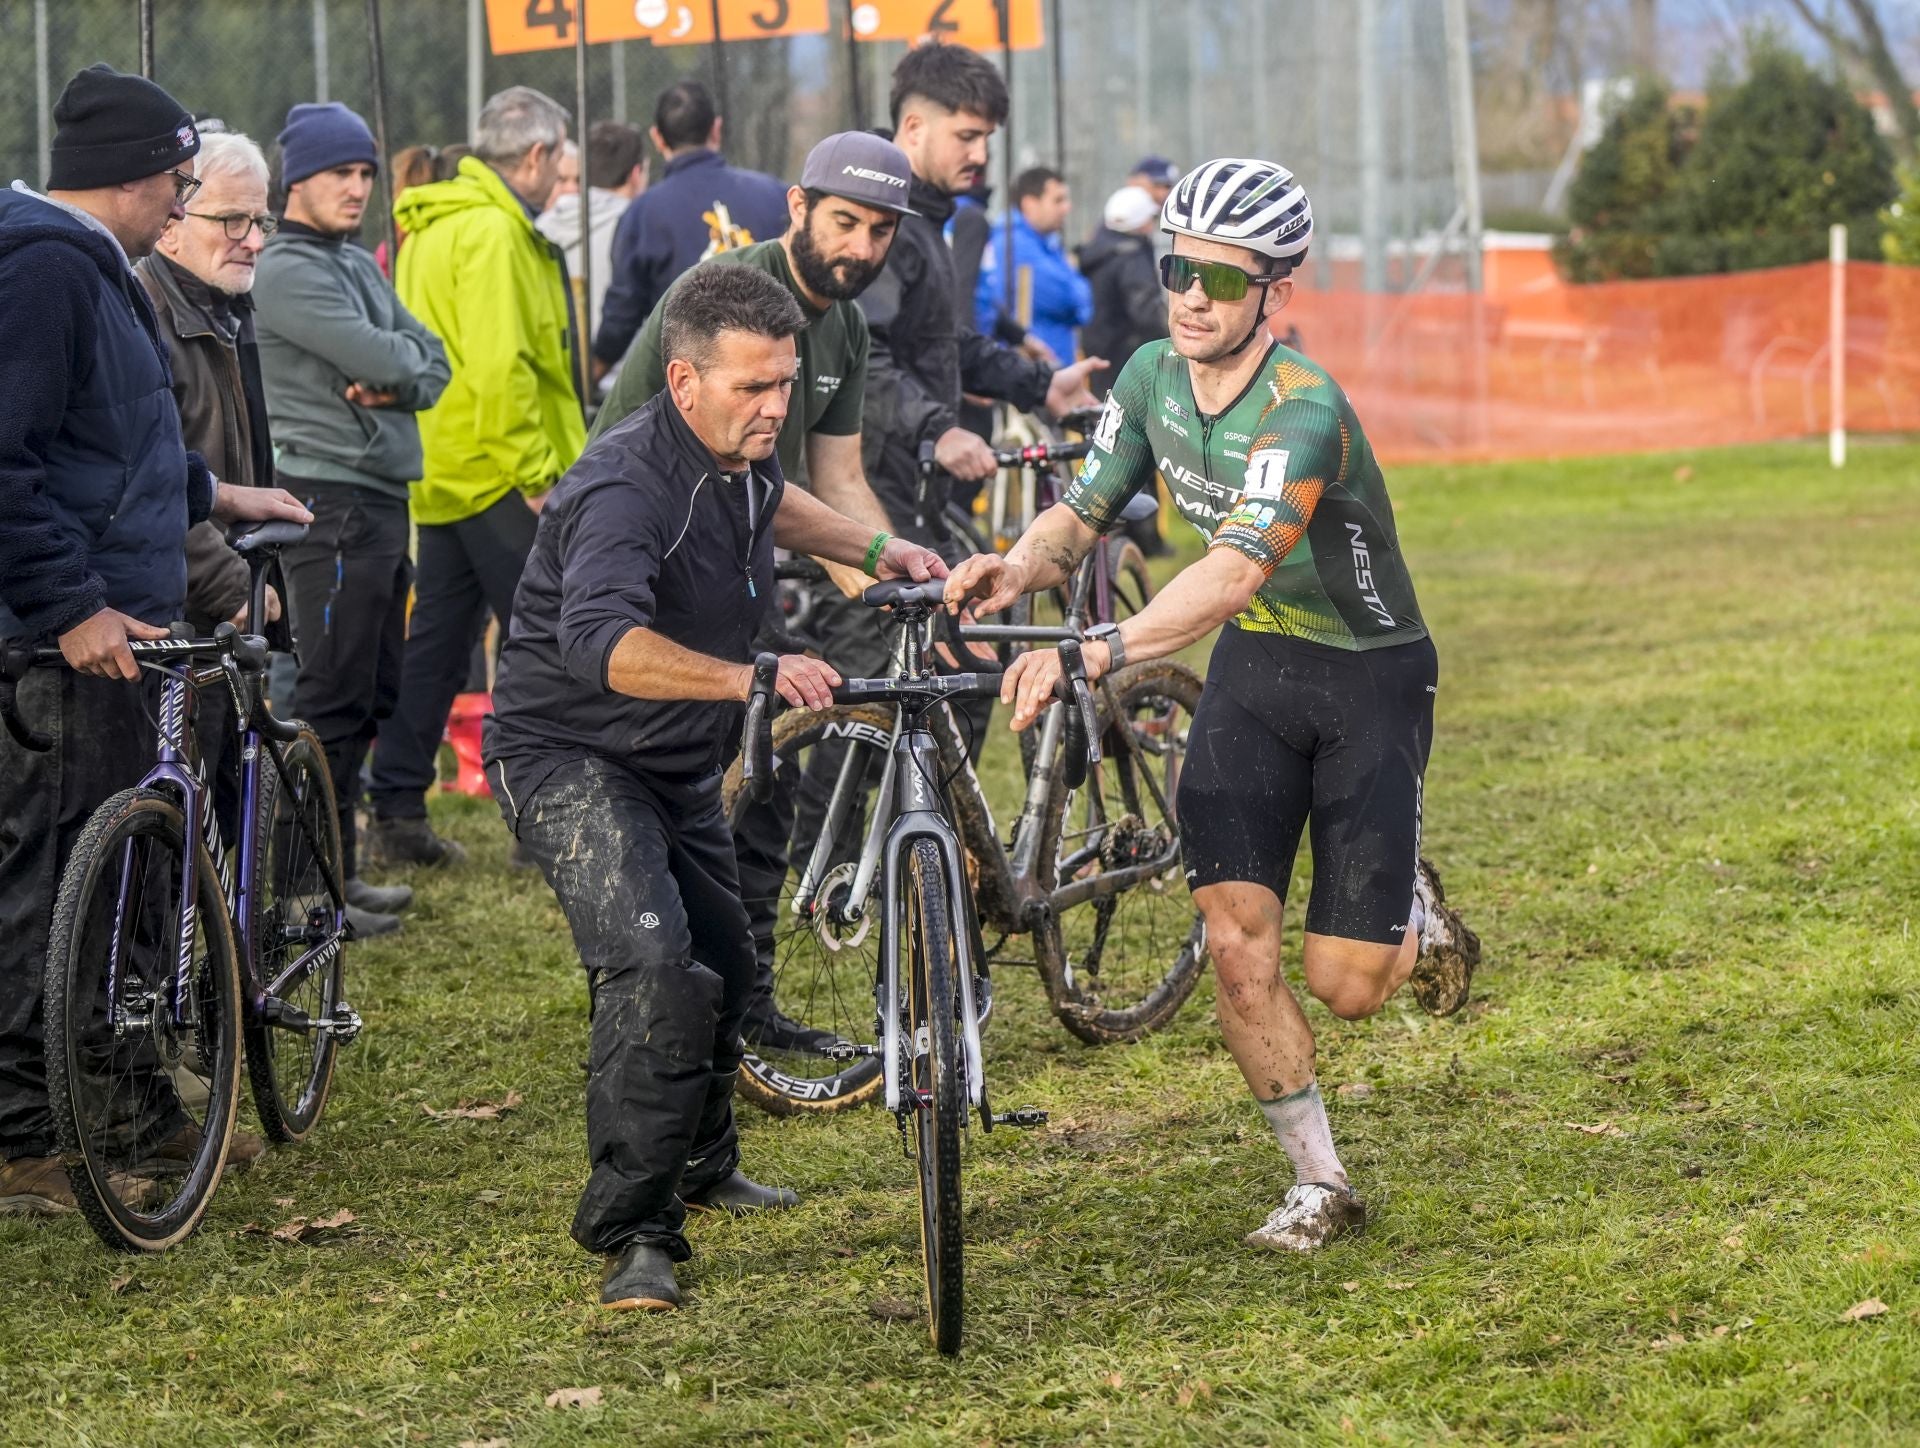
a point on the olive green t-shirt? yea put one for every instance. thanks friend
(827, 394)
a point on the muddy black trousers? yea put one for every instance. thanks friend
(645, 872)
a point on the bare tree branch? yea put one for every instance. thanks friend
(1870, 51)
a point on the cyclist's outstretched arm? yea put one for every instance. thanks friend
(804, 524)
(1045, 557)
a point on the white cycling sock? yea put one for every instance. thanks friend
(1300, 1121)
(1417, 916)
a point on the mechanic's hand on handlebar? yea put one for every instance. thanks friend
(965, 455)
(98, 644)
(1032, 681)
(901, 559)
(256, 505)
(1068, 392)
(997, 582)
(806, 683)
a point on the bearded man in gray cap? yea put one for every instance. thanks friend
(843, 214)
(97, 491)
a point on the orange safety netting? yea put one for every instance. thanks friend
(1619, 367)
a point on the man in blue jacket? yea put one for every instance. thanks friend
(700, 207)
(1059, 299)
(97, 492)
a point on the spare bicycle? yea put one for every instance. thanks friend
(165, 958)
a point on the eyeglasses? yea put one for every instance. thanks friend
(184, 186)
(237, 224)
(1221, 282)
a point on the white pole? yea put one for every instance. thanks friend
(476, 65)
(1373, 151)
(321, 78)
(1466, 141)
(43, 90)
(619, 58)
(1837, 346)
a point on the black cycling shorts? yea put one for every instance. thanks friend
(1290, 734)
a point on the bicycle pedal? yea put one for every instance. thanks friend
(1026, 1116)
(845, 1051)
(344, 1025)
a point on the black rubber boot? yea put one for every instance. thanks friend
(739, 1197)
(640, 1278)
(380, 899)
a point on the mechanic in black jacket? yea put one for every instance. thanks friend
(617, 705)
(946, 102)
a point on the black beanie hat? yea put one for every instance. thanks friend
(116, 127)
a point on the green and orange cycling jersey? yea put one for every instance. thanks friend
(1285, 464)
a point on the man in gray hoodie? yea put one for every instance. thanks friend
(346, 367)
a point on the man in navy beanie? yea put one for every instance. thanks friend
(346, 369)
(96, 494)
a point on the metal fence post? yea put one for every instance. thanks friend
(146, 38)
(476, 65)
(322, 80)
(42, 89)
(1373, 151)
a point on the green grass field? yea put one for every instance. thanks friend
(1628, 1196)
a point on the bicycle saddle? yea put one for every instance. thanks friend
(1140, 507)
(892, 592)
(246, 537)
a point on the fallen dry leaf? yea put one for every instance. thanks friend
(1869, 1307)
(1194, 1391)
(283, 1201)
(1350, 1286)
(302, 1229)
(1683, 473)
(125, 1283)
(477, 1110)
(484, 1443)
(1116, 1380)
(1355, 1091)
(574, 1398)
(893, 1309)
(1599, 1128)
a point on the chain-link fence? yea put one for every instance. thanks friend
(1349, 93)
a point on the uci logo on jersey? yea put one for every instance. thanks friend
(1174, 408)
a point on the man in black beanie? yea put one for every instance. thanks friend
(96, 494)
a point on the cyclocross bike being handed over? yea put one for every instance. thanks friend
(1318, 707)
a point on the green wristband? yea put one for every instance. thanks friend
(874, 550)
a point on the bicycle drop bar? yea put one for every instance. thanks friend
(1039, 455)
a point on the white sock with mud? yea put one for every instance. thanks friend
(1300, 1121)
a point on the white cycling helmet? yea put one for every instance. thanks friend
(1255, 204)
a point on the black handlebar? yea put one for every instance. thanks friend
(756, 768)
(1082, 749)
(1040, 455)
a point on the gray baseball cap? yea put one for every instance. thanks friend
(860, 166)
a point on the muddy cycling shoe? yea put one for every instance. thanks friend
(769, 1029)
(380, 899)
(639, 1278)
(738, 1196)
(1312, 1215)
(1449, 950)
(411, 842)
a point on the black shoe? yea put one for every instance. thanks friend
(639, 1278)
(365, 924)
(739, 1197)
(521, 858)
(767, 1029)
(380, 899)
(411, 842)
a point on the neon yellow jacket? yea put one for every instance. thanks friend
(491, 288)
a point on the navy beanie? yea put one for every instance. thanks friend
(114, 128)
(320, 136)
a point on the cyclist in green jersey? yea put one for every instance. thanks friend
(1318, 709)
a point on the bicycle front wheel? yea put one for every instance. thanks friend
(822, 954)
(936, 1077)
(1121, 965)
(144, 1077)
(295, 913)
